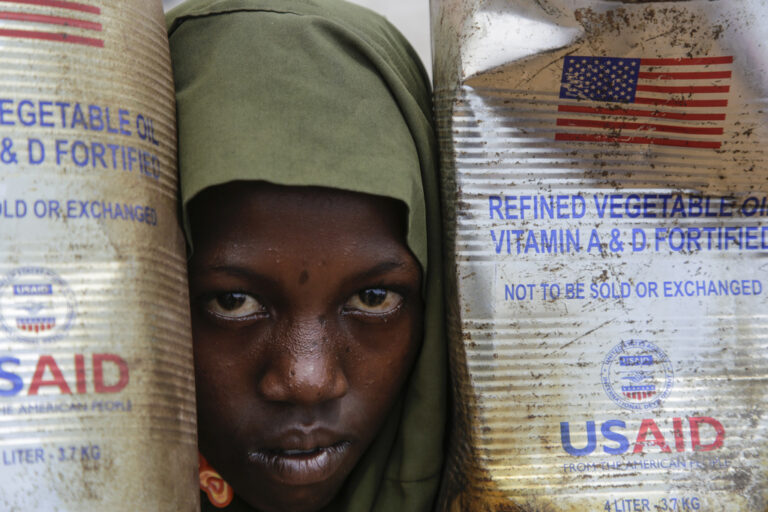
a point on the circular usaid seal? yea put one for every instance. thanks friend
(36, 305)
(636, 374)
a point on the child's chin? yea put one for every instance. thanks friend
(304, 499)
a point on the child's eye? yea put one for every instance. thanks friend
(377, 301)
(234, 305)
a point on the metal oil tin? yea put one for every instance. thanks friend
(605, 184)
(96, 384)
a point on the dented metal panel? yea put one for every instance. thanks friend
(605, 189)
(97, 404)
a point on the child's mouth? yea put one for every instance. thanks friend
(299, 453)
(300, 466)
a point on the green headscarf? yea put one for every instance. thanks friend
(325, 93)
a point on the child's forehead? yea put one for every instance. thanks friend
(267, 214)
(272, 200)
(277, 237)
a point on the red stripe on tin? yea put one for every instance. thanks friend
(641, 113)
(584, 137)
(702, 61)
(53, 20)
(51, 36)
(682, 103)
(704, 75)
(62, 4)
(694, 89)
(618, 125)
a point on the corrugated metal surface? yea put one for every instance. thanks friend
(97, 404)
(610, 253)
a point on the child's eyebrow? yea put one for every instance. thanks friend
(381, 268)
(236, 271)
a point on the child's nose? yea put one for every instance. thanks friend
(305, 368)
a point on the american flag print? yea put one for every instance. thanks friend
(67, 21)
(638, 393)
(36, 324)
(669, 102)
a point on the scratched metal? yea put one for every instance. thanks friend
(632, 400)
(97, 406)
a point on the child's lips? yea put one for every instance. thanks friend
(302, 461)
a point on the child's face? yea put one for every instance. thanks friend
(306, 317)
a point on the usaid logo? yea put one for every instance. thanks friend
(636, 374)
(35, 305)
